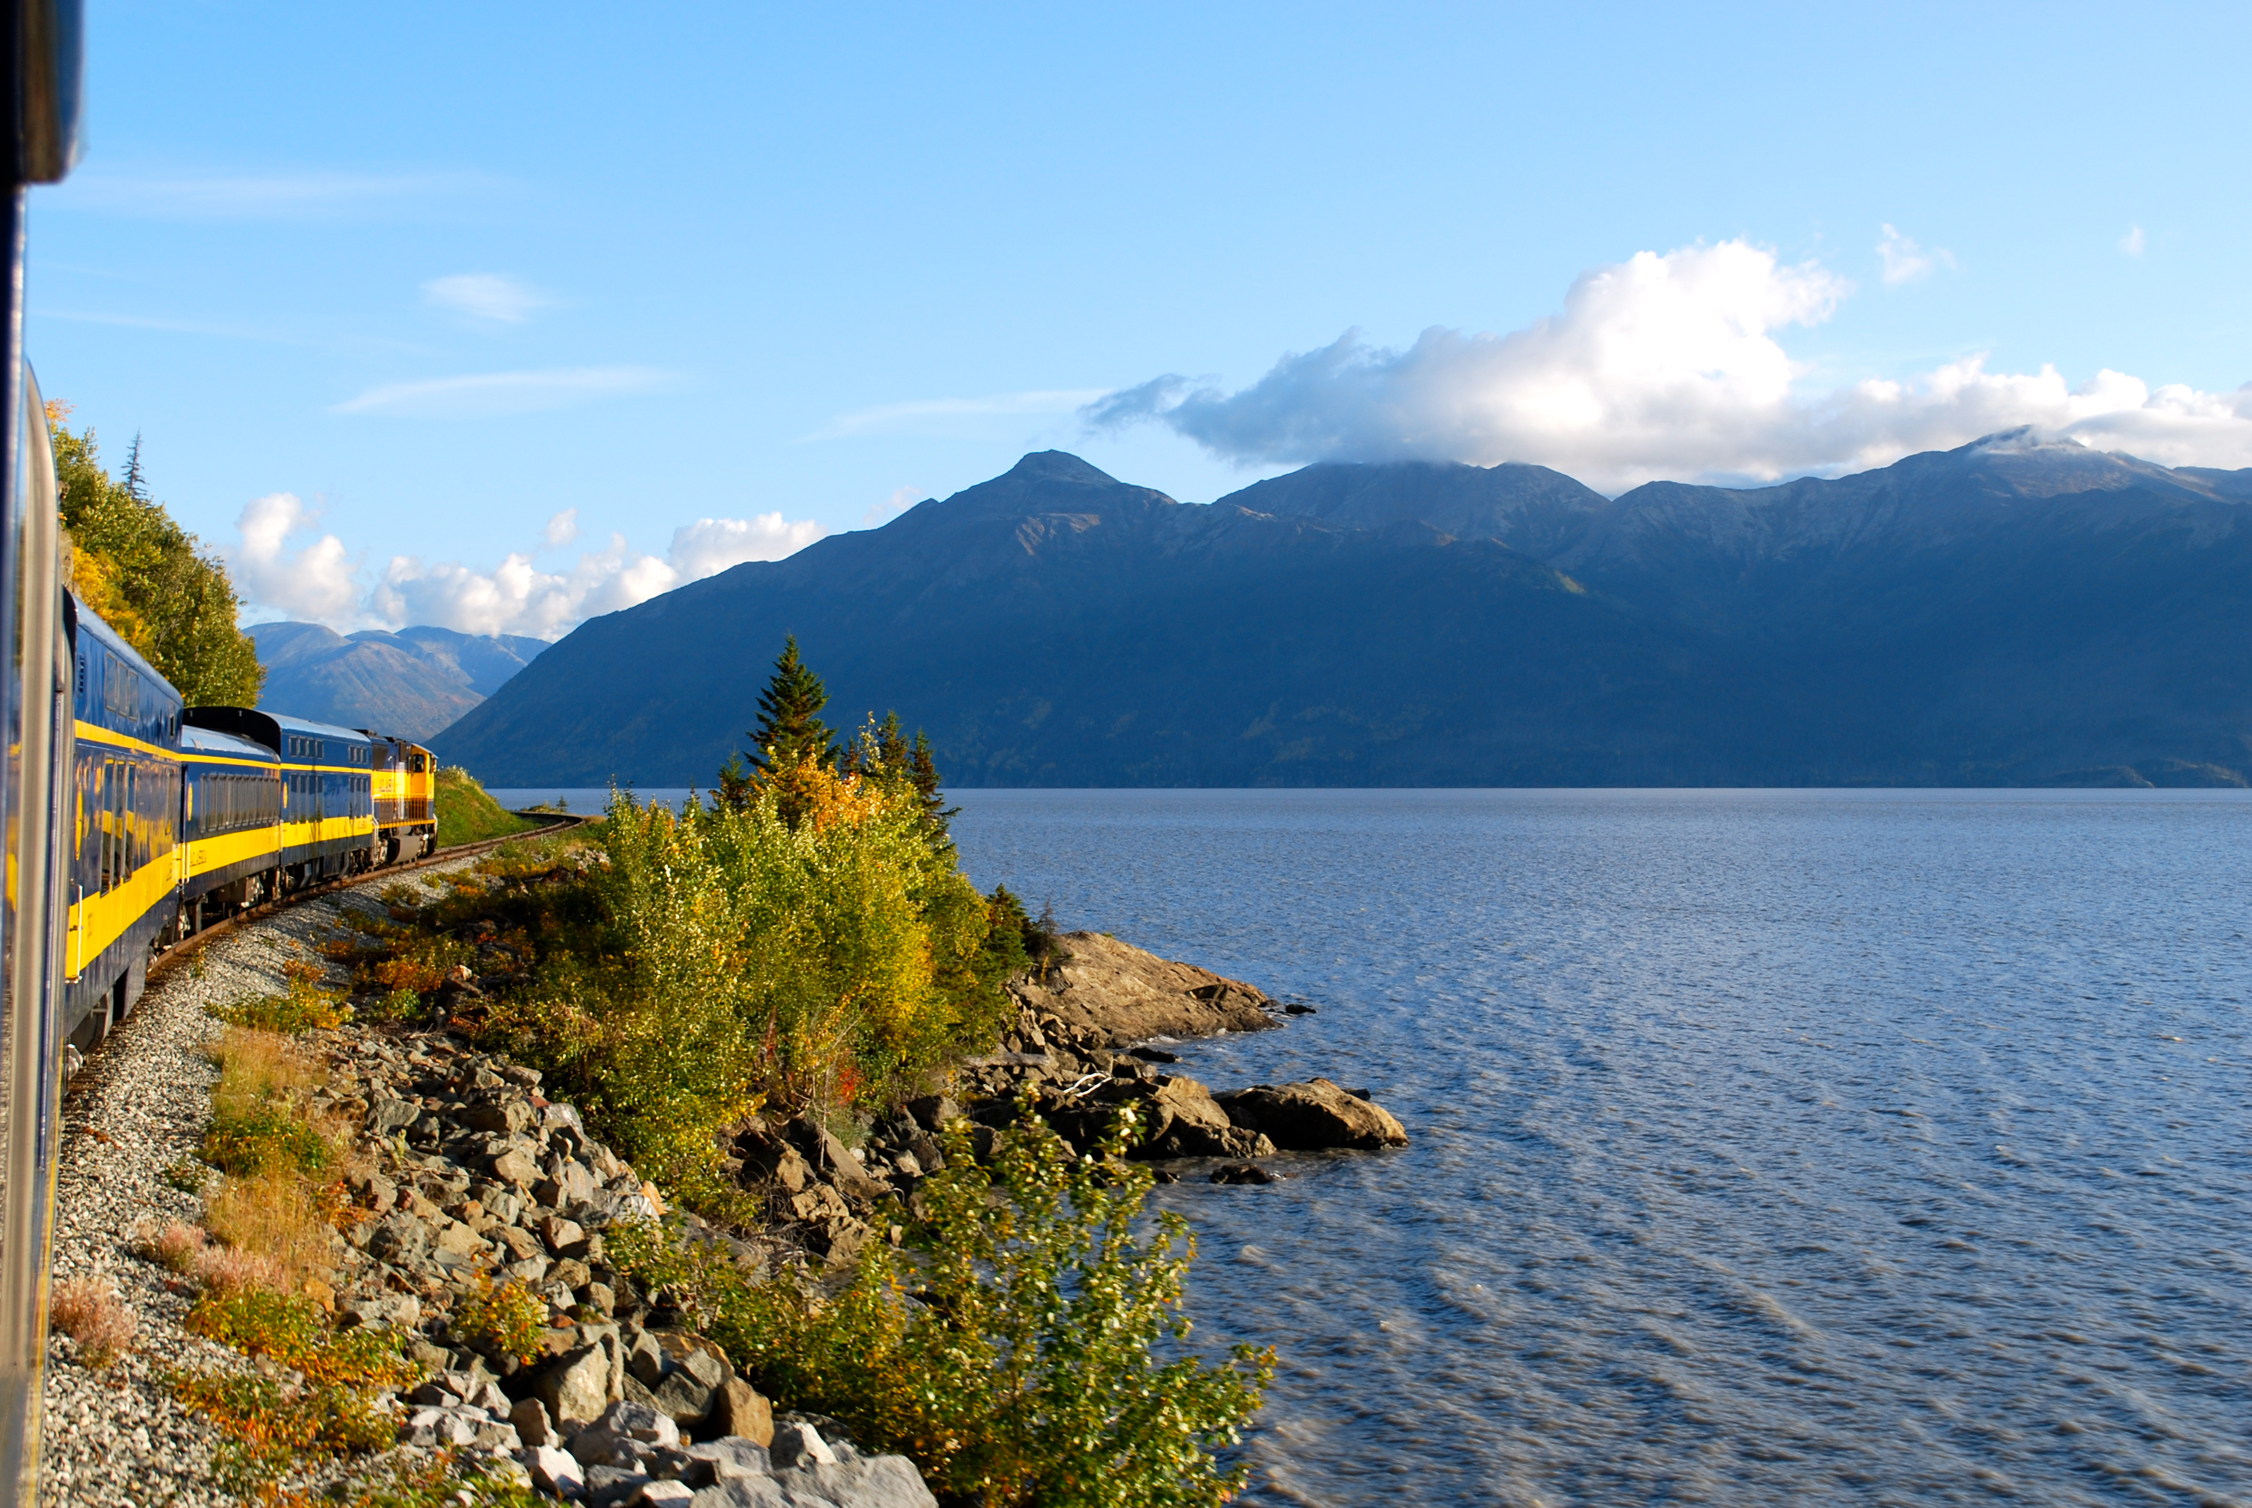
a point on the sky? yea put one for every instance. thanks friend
(500, 316)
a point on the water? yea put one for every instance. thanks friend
(1769, 1147)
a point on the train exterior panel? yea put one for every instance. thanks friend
(123, 826)
(231, 813)
(327, 789)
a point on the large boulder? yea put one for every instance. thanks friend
(1311, 1116)
(575, 1386)
(1130, 995)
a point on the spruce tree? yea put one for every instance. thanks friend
(790, 729)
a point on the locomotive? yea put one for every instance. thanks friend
(176, 817)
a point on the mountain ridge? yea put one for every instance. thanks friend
(411, 682)
(1414, 623)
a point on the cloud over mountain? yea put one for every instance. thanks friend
(319, 581)
(1665, 366)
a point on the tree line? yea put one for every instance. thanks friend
(148, 578)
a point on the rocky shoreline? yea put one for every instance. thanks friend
(462, 1174)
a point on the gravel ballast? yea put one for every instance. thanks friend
(138, 1107)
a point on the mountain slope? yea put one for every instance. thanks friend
(1057, 626)
(2009, 612)
(413, 683)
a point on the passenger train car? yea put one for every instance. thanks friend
(181, 815)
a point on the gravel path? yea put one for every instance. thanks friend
(139, 1106)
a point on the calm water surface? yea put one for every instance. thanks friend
(1768, 1147)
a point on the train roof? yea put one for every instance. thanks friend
(269, 728)
(88, 623)
(212, 741)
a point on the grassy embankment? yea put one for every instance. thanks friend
(812, 948)
(467, 815)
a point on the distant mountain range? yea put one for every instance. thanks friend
(413, 683)
(2012, 612)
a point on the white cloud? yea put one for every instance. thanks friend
(320, 582)
(1664, 366)
(901, 499)
(315, 581)
(2132, 242)
(926, 414)
(486, 296)
(487, 395)
(712, 545)
(1905, 261)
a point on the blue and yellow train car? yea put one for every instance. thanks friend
(231, 814)
(327, 790)
(123, 817)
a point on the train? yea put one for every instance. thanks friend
(176, 817)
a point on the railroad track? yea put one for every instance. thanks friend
(187, 948)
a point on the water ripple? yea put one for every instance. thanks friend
(1770, 1148)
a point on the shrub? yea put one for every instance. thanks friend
(262, 1138)
(1025, 1366)
(307, 1007)
(274, 1427)
(178, 1247)
(275, 1217)
(231, 1269)
(256, 1125)
(440, 1483)
(295, 1332)
(509, 1320)
(89, 1311)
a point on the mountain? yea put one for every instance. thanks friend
(2010, 612)
(412, 683)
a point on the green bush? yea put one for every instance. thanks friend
(509, 1320)
(1024, 1367)
(307, 1007)
(262, 1138)
(731, 958)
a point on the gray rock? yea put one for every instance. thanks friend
(832, 1160)
(1313, 1115)
(640, 1422)
(680, 1397)
(531, 1421)
(728, 1457)
(610, 1486)
(516, 1168)
(863, 1482)
(797, 1443)
(399, 1239)
(739, 1411)
(388, 1117)
(575, 1386)
(509, 1117)
(554, 1471)
(662, 1494)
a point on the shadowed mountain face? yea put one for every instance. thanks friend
(2010, 612)
(412, 683)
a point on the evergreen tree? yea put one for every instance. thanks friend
(134, 485)
(790, 730)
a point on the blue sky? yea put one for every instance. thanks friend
(486, 287)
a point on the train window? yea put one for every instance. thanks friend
(121, 687)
